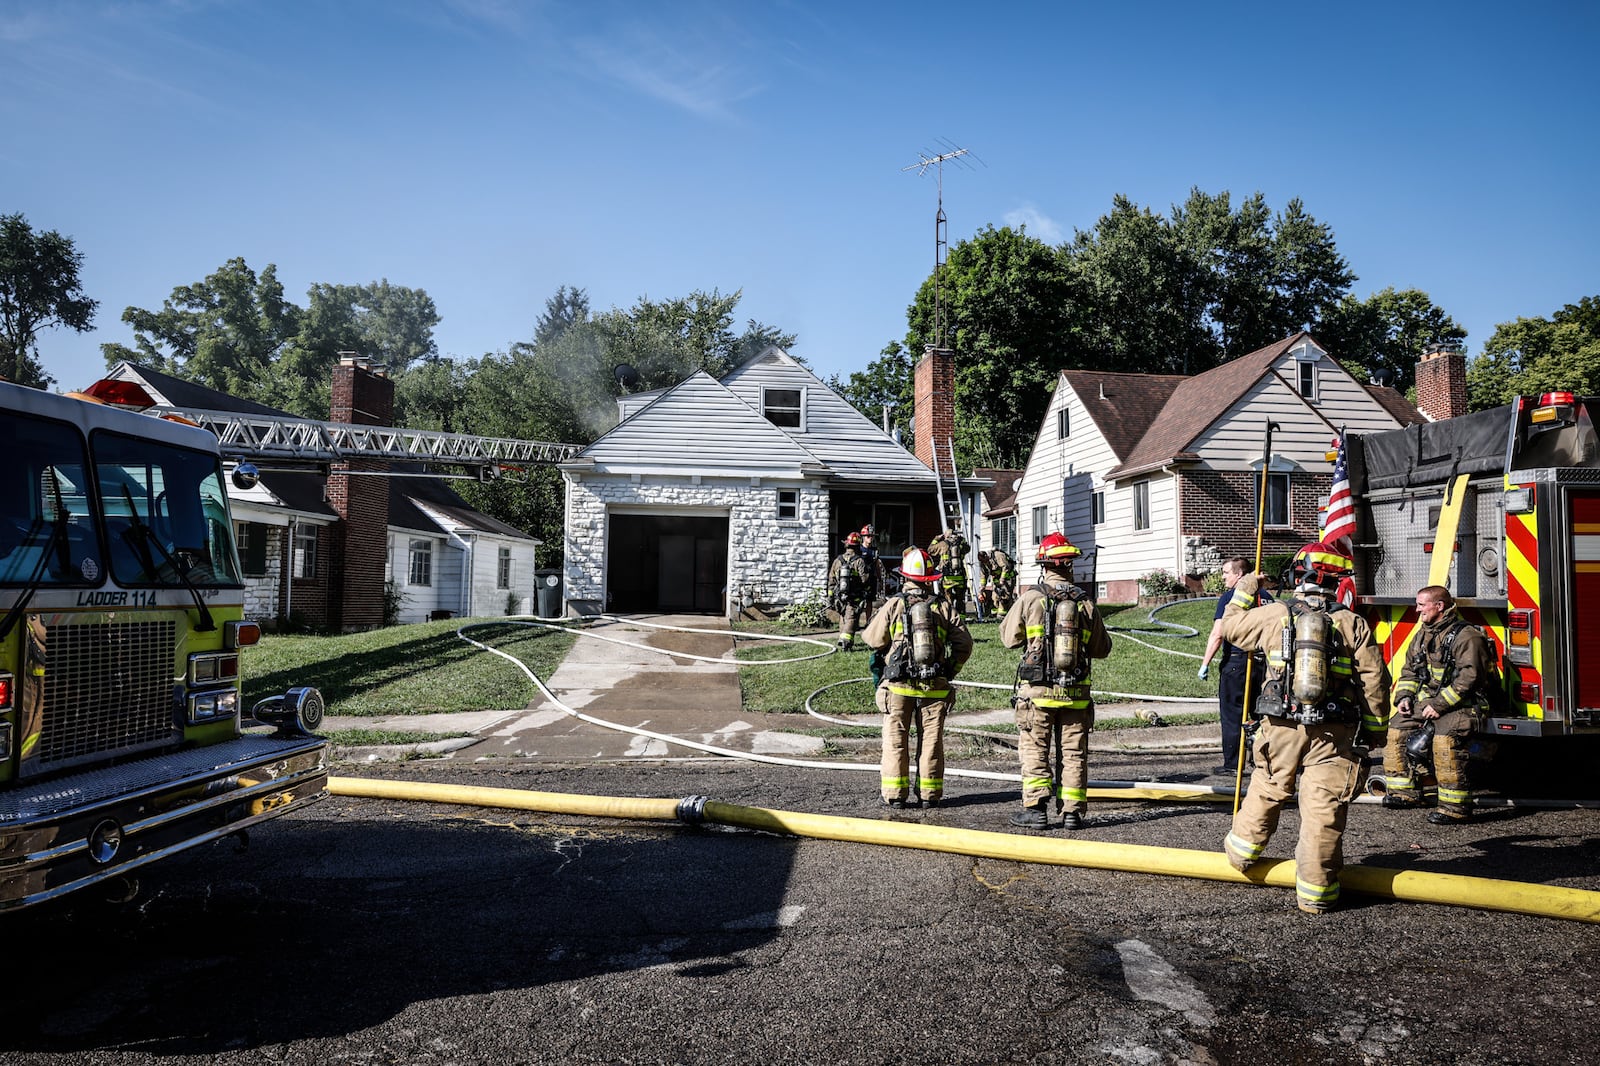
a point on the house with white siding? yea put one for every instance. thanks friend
(302, 559)
(725, 495)
(1148, 472)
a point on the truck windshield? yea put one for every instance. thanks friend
(47, 532)
(166, 513)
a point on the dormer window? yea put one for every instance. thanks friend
(784, 407)
(1306, 357)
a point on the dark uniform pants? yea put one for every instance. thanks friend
(1450, 786)
(1330, 775)
(1230, 706)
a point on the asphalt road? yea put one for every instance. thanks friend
(383, 932)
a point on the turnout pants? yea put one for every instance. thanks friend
(1451, 786)
(853, 618)
(1330, 776)
(900, 713)
(1053, 745)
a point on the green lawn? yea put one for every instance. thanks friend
(411, 669)
(1131, 667)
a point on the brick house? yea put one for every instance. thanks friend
(1150, 472)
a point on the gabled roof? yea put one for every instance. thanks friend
(302, 493)
(1399, 408)
(1000, 497)
(1199, 401)
(436, 497)
(1122, 406)
(698, 425)
(175, 392)
(853, 447)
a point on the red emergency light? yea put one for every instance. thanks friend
(1555, 399)
(5, 692)
(1427, 547)
(128, 394)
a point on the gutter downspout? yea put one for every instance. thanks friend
(288, 584)
(468, 561)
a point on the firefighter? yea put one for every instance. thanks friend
(949, 554)
(1444, 685)
(926, 644)
(1004, 581)
(878, 593)
(1325, 685)
(1060, 632)
(849, 584)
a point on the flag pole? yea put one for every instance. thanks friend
(1250, 663)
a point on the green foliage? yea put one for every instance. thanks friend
(1275, 566)
(39, 289)
(1214, 583)
(1159, 583)
(236, 332)
(886, 382)
(394, 598)
(1385, 334)
(810, 612)
(411, 669)
(1534, 355)
(513, 603)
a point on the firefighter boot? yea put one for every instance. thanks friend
(1394, 799)
(1030, 818)
(1450, 816)
(1071, 820)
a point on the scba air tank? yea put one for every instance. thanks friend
(1066, 644)
(1310, 656)
(924, 645)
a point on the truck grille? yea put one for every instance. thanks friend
(107, 691)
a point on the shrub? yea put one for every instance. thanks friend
(811, 612)
(394, 598)
(513, 604)
(1159, 583)
(1214, 583)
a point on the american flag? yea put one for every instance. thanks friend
(1340, 525)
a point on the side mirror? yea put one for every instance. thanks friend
(246, 476)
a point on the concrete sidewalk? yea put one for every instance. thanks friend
(657, 688)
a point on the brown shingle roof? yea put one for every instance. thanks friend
(1002, 489)
(1196, 403)
(1397, 405)
(1122, 406)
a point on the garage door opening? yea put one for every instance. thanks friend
(667, 563)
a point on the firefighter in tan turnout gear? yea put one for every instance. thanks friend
(850, 589)
(1060, 633)
(1442, 695)
(926, 644)
(1325, 684)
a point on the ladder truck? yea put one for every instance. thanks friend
(1503, 508)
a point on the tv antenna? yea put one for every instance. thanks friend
(941, 239)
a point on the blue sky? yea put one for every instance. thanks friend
(489, 151)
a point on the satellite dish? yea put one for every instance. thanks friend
(1385, 376)
(627, 377)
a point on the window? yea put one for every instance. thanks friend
(1277, 513)
(1063, 424)
(783, 407)
(1041, 523)
(252, 543)
(1141, 505)
(1097, 507)
(1004, 531)
(502, 577)
(1308, 380)
(421, 562)
(788, 505)
(305, 551)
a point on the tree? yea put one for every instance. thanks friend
(1010, 302)
(886, 382)
(39, 289)
(666, 341)
(1383, 336)
(569, 307)
(223, 332)
(1535, 355)
(236, 332)
(1309, 276)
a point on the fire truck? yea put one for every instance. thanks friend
(122, 735)
(1503, 508)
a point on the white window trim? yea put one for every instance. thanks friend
(1149, 517)
(1288, 499)
(784, 388)
(1063, 423)
(415, 547)
(794, 516)
(1038, 529)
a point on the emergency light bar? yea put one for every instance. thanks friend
(1551, 406)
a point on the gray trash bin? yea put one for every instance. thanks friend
(548, 585)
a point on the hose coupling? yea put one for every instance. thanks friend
(692, 809)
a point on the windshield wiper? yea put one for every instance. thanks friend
(58, 541)
(147, 536)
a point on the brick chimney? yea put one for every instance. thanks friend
(934, 404)
(362, 396)
(1442, 382)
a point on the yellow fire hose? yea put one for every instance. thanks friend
(1485, 893)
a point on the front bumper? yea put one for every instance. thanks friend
(65, 833)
